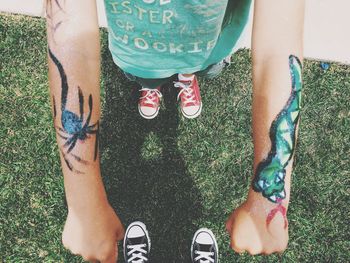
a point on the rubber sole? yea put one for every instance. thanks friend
(193, 116)
(148, 117)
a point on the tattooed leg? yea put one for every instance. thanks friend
(271, 172)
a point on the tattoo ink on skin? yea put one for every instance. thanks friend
(69, 164)
(54, 107)
(49, 7)
(73, 127)
(281, 209)
(51, 13)
(270, 174)
(58, 4)
(96, 140)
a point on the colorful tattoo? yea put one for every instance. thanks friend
(270, 173)
(280, 208)
(73, 127)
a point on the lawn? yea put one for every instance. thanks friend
(174, 174)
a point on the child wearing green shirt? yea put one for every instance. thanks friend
(170, 43)
(152, 41)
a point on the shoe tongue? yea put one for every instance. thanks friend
(186, 82)
(136, 240)
(204, 248)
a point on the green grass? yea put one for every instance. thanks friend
(174, 174)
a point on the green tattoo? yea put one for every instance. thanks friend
(270, 173)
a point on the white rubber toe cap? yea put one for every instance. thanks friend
(191, 112)
(204, 238)
(148, 112)
(135, 231)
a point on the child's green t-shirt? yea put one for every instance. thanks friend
(159, 38)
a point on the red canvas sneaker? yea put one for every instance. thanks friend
(191, 102)
(149, 102)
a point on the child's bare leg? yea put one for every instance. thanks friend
(188, 75)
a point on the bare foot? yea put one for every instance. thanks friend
(258, 227)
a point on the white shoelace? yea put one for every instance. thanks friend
(137, 252)
(187, 90)
(150, 95)
(204, 257)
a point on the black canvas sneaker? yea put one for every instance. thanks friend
(137, 244)
(204, 247)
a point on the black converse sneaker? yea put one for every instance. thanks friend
(204, 248)
(137, 244)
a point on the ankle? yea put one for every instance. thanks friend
(186, 77)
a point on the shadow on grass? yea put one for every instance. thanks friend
(156, 190)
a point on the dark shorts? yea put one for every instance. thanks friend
(210, 72)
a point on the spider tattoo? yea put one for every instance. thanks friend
(52, 9)
(73, 126)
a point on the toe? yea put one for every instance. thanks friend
(148, 112)
(191, 111)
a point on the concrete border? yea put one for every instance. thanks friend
(327, 34)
